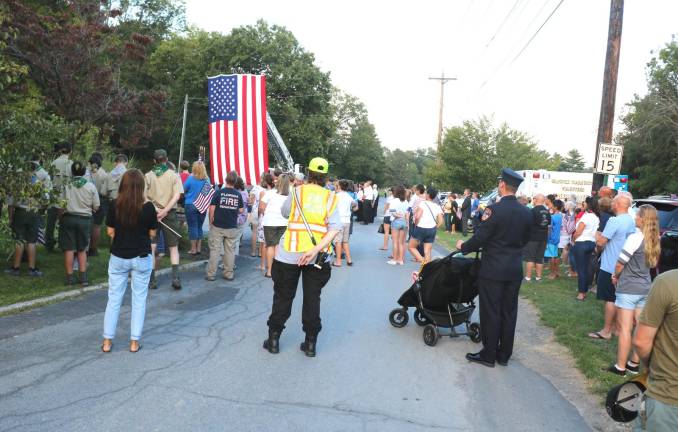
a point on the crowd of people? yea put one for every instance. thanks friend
(301, 227)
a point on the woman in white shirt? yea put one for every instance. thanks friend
(387, 220)
(584, 244)
(266, 184)
(273, 221)
(398, 212)
(345, 206)
(427, 218)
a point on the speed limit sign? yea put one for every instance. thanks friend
(609, 158)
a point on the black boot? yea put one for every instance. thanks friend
(69, 280)
(308, 346)
(272, 344)
(84, 280)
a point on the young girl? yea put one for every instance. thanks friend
(554, 239)
(399, 212)
(632, 280)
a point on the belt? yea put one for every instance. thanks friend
(143, 256)
(78, 216)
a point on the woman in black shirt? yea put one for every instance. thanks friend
(131, 222)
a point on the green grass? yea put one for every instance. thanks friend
(18, 289)
(571, 321)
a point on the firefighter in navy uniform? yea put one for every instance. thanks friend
(502, 234)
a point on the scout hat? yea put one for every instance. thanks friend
(511, 177)
(319, 165)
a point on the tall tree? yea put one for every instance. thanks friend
(650, 138)
(573, 162)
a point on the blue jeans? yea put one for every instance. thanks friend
(118, 271)
(194, 220)
(582, 256)
(658, 417)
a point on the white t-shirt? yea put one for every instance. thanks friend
(368, 193)
(397, 207)
(344, 202)
(590, 221)
(428, 218)
(272, 213)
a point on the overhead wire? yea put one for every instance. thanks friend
(538, 30)
(506, 18)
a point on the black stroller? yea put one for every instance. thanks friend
(443, 295)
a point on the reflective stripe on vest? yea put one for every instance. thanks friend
(315, 201)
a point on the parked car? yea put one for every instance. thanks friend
(667, 209)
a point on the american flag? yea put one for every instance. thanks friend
(202, 202)
(237, 126)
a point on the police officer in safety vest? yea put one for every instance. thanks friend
(304, 250)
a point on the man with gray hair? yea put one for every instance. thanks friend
(611, 240)
(539, 232)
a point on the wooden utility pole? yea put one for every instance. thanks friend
(442, 80)
(609, 83)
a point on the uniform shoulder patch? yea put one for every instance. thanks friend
(487, 214)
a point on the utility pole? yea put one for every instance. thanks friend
(442, 80)
(183, 133)
(609, 82)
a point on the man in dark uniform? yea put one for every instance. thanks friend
(502, 234)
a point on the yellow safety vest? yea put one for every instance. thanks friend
(318, 203)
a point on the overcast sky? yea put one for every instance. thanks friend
(384, 52)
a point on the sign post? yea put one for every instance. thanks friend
(609, 159)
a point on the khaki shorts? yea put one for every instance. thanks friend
(343, 235)
(74, 232)
(171, 239)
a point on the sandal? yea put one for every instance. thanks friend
(349, 263)
(597, 335)
(268, 276)
(110, 348)
(135, 351)
(336, 265)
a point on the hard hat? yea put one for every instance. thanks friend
(319, 165)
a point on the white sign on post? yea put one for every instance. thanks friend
(609, 159)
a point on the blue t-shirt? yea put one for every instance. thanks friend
(616, 231)
(228, 201)
(556, 224)
(474, 204)
(192, 188)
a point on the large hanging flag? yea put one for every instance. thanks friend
(237, 126)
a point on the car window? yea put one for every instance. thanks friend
(668, 215)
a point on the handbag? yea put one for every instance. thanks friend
(380, 230)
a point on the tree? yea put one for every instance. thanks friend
(573, 162)
(650, 138)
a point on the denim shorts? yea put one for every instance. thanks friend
(630, 301)
(398, 224)
(424, 235)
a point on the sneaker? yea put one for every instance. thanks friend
(615, 370)
(632, 368)
(34, 272)
(13, 271)
(210, 278)
(391, 262)
(537, 279)
(229, 278)
(400, 263)
(527, 279)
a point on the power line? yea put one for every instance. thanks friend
(508, 15)
(538, 30)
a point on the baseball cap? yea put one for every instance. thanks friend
(319, 165)
(623, 401)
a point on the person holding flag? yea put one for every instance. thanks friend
(163, 189)
(313, 222)
(197, 185)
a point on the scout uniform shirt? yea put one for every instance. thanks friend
(100, 180)
(81, 196)
(39, 176)
(114, 178)
(62, 173)
(160, 189)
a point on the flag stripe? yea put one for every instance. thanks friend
(262, 112)
(244, 164)
(250, 131)
(256, 141)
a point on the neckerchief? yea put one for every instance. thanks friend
(160, 169)
(79, 182)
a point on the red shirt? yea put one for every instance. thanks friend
(184, 175)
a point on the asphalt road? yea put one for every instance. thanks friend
(202, 366)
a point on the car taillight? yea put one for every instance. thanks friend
(535, 175)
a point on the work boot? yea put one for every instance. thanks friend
(272, 344)
(69, 280)
(84, 280)
(176, 283)
(308, 346)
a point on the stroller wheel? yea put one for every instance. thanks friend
(430, 335)
(474, 332)
(398, 318)
(420, 318)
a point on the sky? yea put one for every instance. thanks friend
(384, 52)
